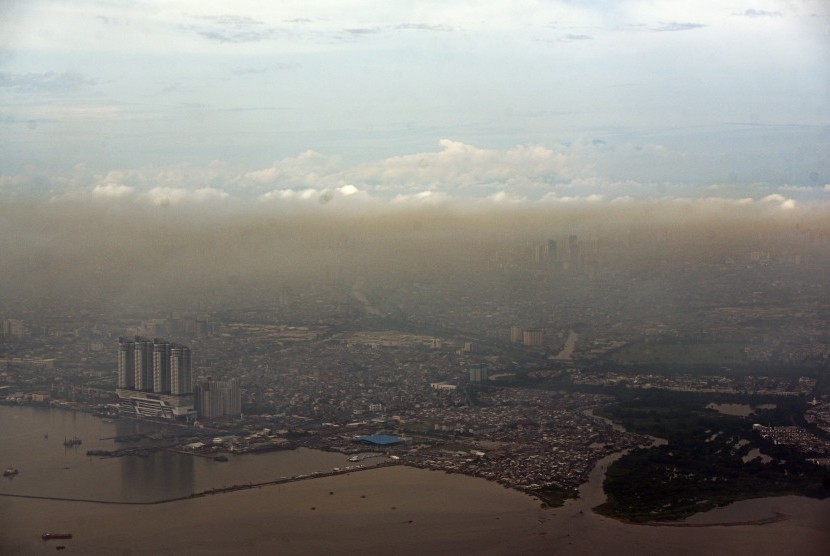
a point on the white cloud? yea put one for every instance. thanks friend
(774, 198)
(554, 198)
(456, 172)
(783, 202)
(164, 196)
(462, 165)
(348, 194)
(112, 191)
(305, 168)
(284, 194)
(209, 194)
(504, 198)
(725, 204)
(758, 13)
(423, 198)
(455, 165)
(348, 190)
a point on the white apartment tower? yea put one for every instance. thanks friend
(181, 372)
(126, 364)
(143, 352)
(161, 366)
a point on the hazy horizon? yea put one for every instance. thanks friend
(179, 149)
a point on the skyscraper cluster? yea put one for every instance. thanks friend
(154, 366)
(564, 255)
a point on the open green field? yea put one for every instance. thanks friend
(679, 353)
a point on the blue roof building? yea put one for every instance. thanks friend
(379, 439)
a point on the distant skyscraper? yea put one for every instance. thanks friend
(516, 334)
(552, 254)
(532, 337)
(573, 253)
(201, 328)
(13, 328)
(478, 372)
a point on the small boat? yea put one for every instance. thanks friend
(70, 442)
(10, 472)
(220, 458)
(49, 536)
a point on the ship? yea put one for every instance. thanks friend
(10, 472)
(70, 442)
(49, 536)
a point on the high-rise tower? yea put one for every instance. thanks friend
(573, 253)
(126, 363)
(143, 364)
(218, 398)
(553, 256)
(181, 373)
(161, 366)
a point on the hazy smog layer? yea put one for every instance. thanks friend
(67, 253)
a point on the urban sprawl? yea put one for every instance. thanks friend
(492, 367)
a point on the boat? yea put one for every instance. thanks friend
(70, 442)
(10, 472)
(49, 536)
(220, 458)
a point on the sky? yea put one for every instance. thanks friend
(380, 104)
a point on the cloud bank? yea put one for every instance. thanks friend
(456, 173)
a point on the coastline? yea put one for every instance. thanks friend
(404, 510)
(394, 509)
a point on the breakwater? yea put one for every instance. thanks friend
(209, 492)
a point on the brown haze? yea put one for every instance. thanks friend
(117, 257)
